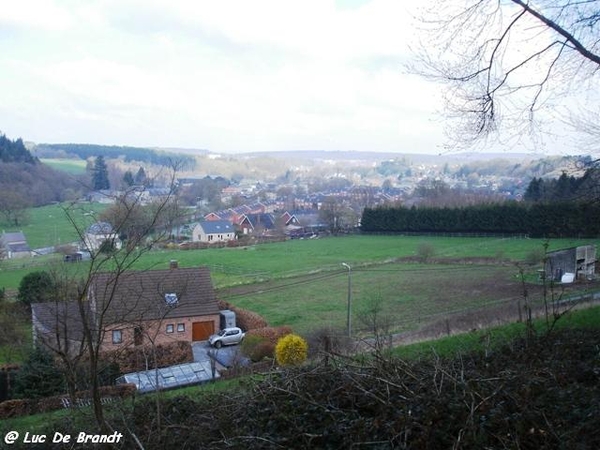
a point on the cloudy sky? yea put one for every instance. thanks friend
(227, 76)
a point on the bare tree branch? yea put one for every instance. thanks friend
(503, 60)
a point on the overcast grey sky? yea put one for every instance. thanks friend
(227, 76)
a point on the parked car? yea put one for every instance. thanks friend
(227, 336)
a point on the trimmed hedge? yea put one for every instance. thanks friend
(246, 320)
(135, 359)
(555, 219)
(23, 407)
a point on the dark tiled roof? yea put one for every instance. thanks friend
(265, 220)
(100, 228)
(13, 237)
(217, 226)
(59, 316)
(142, 295)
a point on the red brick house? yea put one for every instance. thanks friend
(143, 307)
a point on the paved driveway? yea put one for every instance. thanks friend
(225, 356)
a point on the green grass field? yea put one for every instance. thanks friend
(50, 225)
(71, 166)
(302, 283)
(243, 265)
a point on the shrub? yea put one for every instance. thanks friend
(425, 251)
(15, 408)
(535, 256)
(36, 287)
(38, 376)
(257, 348)
(325, 341)
(134, 359)
(291, 350)
(272, 334)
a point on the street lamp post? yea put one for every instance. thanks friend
(349, 320)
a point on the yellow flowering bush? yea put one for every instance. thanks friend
(291, 350)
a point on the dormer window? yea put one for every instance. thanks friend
(171, 299)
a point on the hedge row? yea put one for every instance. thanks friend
(565, 219)
(138, 358)
(23, 407)
(272, 334)
(246, 320)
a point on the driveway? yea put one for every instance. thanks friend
(225, 356)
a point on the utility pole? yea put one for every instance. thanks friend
(349, 320)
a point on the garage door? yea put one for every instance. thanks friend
(202, 330)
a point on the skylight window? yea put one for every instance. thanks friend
(171, 299)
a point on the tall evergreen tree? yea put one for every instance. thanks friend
(14, 151)
(128, 179)
(100, 175)
(38, 376)
(140, 177)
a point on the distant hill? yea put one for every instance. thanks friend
(383, 156)
(84, 151)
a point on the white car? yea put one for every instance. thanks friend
(227, 336)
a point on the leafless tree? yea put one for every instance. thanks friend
(510, 63)
(118, 263)
(63, 338)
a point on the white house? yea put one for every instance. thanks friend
(97, 234)
(213, 231)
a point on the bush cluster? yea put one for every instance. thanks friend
(22, 407)
(138, 358)
(260, 342)
(541, 393)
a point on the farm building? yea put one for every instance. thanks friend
(14, 245)
(579, 261)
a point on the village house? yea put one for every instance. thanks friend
(99, 233)
(212, 231)
(140, 307)
(14, 245)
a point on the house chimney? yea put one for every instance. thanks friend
(173, 264)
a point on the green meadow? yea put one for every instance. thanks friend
(303, 283)
(71, 166)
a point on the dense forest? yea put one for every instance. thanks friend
(14, 151)
(85, 151)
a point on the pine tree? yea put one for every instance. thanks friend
(38, 376)
(100, 175)
(140, 177)
(128, 179)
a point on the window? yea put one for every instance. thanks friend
(117, 336)
(170, 328)
(181, 327)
